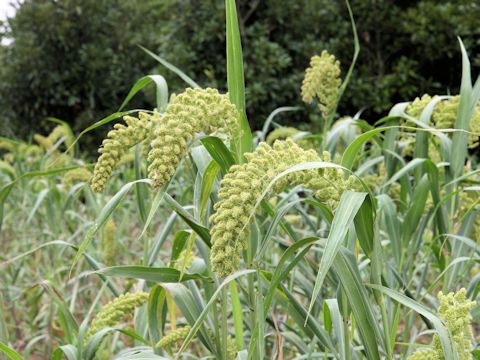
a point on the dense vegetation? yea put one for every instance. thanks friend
(194, 237)
(76, 60)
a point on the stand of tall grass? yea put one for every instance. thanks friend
(203, 240)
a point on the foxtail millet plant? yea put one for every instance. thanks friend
(322, 82)
(187, 114)
(244, 184)
(116, 310)
(118, 142)
(454, 310)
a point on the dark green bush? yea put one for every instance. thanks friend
(73, 60)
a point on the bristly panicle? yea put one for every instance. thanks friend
(117, 143)
(454, 310)
(75, 176)
(116, 310)
(244, 184)
(192, 112)
(322, 82)
(173, 337)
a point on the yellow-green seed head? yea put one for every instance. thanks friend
(43, 141)
(7, 145)
(426, 354)
(76, 176)
(118, 142)
(30, 150)
(187, 114)
(415, 108)
(454, 310)
(185, 260)
(109, 242)
(322, 81)
(231, 349)
(173, 337)
(115, 311)
(127, 159)
(374, 181)
(244, 184)
(281, 133)
(61, 132)
(58, 132)
(444, 115)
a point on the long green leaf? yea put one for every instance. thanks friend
(12, 354)
(347, 270)
(161, 87)
(210, 303)
(172, 68)
(350, 203)
(464, 115)
(201, 230)
(235, 78)
(219, 152)
(104, 215)
(153, 274)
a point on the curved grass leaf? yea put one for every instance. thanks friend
(200, 230)
(161, 87)
(12, 354)
(172, 68)
(272, 116)
(104, 215)
(153, 274)
(210, 303)
(349, 205)
(219, 152)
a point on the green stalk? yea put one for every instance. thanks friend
(224, 322)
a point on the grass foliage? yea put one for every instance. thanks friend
(355, 280)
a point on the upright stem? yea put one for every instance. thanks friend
(224, 322)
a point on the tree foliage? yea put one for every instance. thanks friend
(73, 60)
(77, 60)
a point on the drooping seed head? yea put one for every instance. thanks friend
(189, 113)
(118, 142)
(243, 185)
(115, 311)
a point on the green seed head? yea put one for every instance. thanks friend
(173, 337)
(118, 142)
(444, 116)
(187, 114)
(322, 81)
(426, 354)
(244, 184)
(76, 176)
(115, 311)
(454, 310)
(109, 242)
(281, 133)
